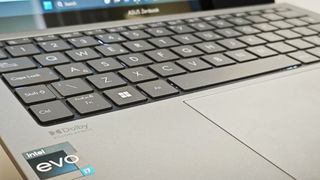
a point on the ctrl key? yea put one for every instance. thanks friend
(51, 111)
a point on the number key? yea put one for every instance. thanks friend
(85, 41)
(22, 50)
(52, 46)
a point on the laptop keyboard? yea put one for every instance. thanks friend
(70, 76)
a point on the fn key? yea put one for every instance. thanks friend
(51, 111)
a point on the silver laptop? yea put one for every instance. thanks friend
(160, 89)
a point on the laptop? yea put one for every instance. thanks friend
(160, 89)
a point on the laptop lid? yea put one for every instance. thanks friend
(28, 15)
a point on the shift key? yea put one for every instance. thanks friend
(30, 77)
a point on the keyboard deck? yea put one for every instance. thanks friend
(63, 77)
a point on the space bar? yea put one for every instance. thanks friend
(211, 77)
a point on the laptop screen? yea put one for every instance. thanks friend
(27, 15)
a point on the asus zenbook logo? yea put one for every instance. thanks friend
(69, 130)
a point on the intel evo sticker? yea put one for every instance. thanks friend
(60, 161)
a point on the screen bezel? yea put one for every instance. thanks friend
(33, 26)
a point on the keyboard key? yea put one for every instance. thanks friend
(228, 33)
(94, 32)
(82, 54)
(208, 36)
(167, 69)
(221, 24)
(241, 55)
(187, 51)
(240, 14)
(229, 73)
(225, 16)
(51, 111)
(156, 24)
(270, 37)
(314, 51)
(256, 19)
(112, 50)
(162, 55)
(111, 38)
(136, 35)
(71, 35)
(304, 57)
(138, 46)
(51, 59)
(30, 77)
(186, 39)
(262, 51)
(105, 65)
(133, 60)
(296, 22)
(106, 81)
(125, 96)
(52, 46)
(73, 70)
(247, 30)
(288, 34)
(22, 50)
(181, 29)
(265, 27)
(201, 26)
(313, 39)
(19, 41)
(239, 21)
(159, 31)
(2, 55)
(163, 42)
(210, 47)
(175, 22)
(311, 20)
(252, 40)
(85, 41)
(136, 27)
(194, 64)
(315, 27)
(193, 20)
(299, 43)
(209, 18)
(35, 94)
(89, 103)
(139, 74)
(46, 38)
(232, 44)
(116, 29)
(157, 89)
(16, 64)
(272, 17)
(218, 60)
(281, 24)
(71, 87)
(304, 31)
(281, 47)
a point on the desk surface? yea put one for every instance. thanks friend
(7, 170)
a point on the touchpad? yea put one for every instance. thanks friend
(279, 119)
